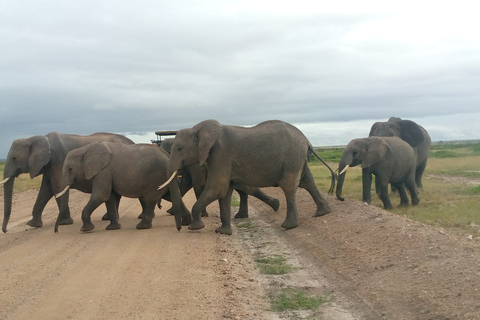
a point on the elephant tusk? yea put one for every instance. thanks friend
(344, 169)
(58, 195)
(4, 181)
(168, 181)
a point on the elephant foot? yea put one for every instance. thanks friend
(242, 214)
(36, 223)
(290, 223)
(415, 201)
(186, 220)
(140, 216)
(114, 226)
(224, 230)
(274, 204)
(144, 224)
(322, 212)
(66, 221)
(87, 226)
(204, 213)
(196, 225)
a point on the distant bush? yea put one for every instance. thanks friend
(443, 154)
(331, 155)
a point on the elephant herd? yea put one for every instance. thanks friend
(214, 160)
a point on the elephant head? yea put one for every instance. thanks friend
(193, 145)
(407, 130)
(25, 156)
(84, 163)
(367, 151)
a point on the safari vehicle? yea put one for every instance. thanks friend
(161, 134)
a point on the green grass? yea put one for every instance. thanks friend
(273, 265)
(447, 200)
(294, 299)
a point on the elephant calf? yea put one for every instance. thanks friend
(115, 169)
(390, 159)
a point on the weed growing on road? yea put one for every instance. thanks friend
(294, 299)
(273, 265)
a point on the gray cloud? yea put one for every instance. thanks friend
(135, 68)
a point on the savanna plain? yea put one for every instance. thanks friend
(357, 262)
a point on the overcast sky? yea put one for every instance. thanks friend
(332, 68)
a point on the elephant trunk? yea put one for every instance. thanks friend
(342, 168)
(7, 198)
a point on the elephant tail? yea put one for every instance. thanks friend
(334, 175)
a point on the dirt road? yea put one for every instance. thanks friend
(371, 263)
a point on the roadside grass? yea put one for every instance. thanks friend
(22, 182)
(450, 196)
(294, 299)
(273, 265)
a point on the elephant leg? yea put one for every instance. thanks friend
(382, 190)
(62, 203)
(402, 193)
(92, 204)
(149, 210)
(225, 204)
(44, 195)
(198, 192)
(203, 201)
(419, 174)
(143, 204)
(412, 187)
(289, 186)
(259, 194)
(243, 209)
(308, 183)
(112, 211)
(272, 202)
(367, 186)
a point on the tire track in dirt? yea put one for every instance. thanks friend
(158, 273)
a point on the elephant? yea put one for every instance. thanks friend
(390, 159)
(410, 132)
(117, 169)
(272, 153)
(45, 155)
(196, 176)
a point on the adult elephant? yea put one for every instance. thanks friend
(104, 165)
(45, 155)
(272, 153)
(414, 134)
(195, 176)
(390, 159)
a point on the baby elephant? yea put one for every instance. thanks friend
(390, 159)
(116, 170)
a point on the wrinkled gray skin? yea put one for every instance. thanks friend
(116, 169)
(390, 159)
(273, 153)
(413, 134)
(45, 155)
(196, 176)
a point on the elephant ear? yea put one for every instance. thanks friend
(207, 132)
(97, 156)
(376, 150)
(410, 132)
(39, 154)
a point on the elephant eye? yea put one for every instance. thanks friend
(179, 149)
